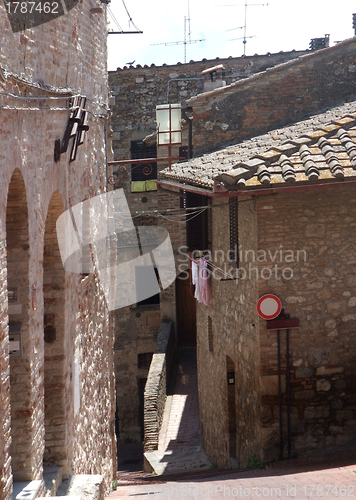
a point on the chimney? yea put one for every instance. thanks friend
(319, 43)
(214, 78)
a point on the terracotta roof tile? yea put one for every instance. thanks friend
(320, 148)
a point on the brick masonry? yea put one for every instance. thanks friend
(51, 420)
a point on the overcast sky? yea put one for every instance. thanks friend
(280, 25)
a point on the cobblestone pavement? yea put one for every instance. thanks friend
(298, 482)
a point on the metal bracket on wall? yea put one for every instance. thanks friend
(76, 127)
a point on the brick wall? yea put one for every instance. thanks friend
(68, 53)
(283, 95)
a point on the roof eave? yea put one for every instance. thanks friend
(227, 191)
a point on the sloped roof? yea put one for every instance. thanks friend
(223, 92)
(320, 149)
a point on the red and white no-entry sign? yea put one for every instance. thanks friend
(269, 306)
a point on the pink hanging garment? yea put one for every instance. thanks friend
(204, 282)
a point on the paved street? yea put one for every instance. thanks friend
(284, 481)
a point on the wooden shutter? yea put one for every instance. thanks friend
(140, 150)
(197, 225)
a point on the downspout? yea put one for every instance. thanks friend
(190, 131)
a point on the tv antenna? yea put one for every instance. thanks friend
(187, 37)
(244, 27)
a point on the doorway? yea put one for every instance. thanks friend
(186, 311)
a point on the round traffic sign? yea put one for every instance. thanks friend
(269, 306)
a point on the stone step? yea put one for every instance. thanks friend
(161, 462)
(52, 476)
(26, 490)
(85, 486)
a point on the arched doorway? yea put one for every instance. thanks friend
(55, 451)
(21, 351)
(231, 407)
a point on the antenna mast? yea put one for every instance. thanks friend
(244, 38)
(185, 42)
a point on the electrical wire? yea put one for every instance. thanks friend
(130, 18)
(114, 18)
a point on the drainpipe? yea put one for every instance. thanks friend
(280, 396)
(190, 131)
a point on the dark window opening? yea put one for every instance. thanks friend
(197, 223)
(142, 277)
(183, 152)
(144, 359)
(144, 171)
(213, 76)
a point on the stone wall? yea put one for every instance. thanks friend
(137, 91)
(313, 243)
(271, 100)
(156, 386)
(63, 57)
(303, 252)
(234, 335)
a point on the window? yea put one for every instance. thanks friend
(197, 224)
(144, 282)
(183, 152)
(234, 237)
(138, 171)
(144, 359)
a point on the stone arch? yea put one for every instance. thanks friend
(54, 283)
(22, 399)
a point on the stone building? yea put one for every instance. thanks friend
(279, 221)
(57, 379)
(137, 91)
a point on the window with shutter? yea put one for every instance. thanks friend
(197, 225)
(234, 237)
(140, 150)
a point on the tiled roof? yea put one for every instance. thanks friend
(320, 149)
